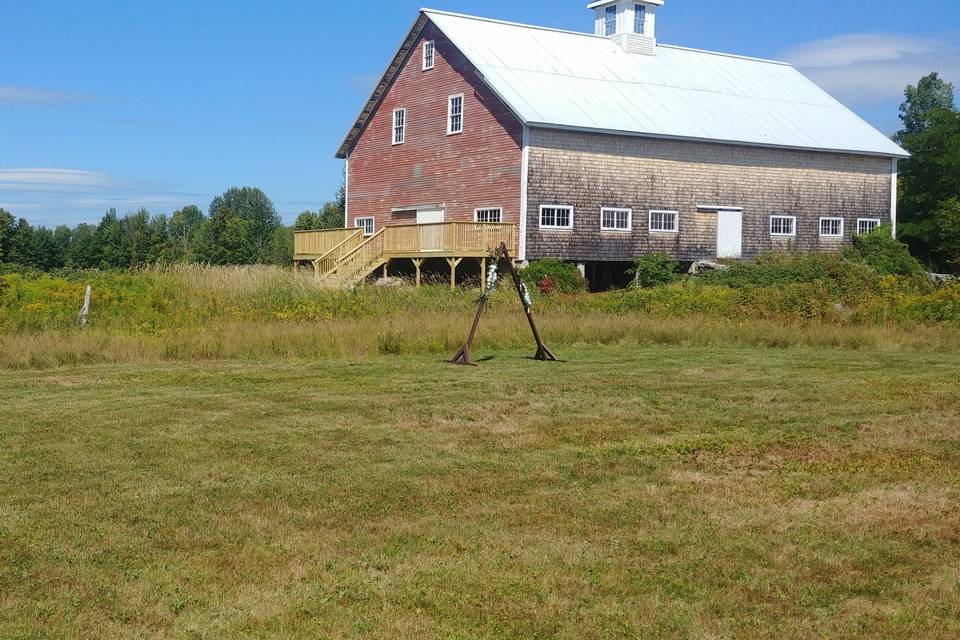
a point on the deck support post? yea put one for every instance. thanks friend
(316, 269)
(417, 263)
(385, 265)
(483, 274)
(453, 262)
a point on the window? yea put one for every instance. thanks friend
(831, 227)
(556, 217)
(429, 53)
(455, 115)
(866, 225)
(783, 225)
(639, 18)
(399, 126)
(664, 221)
(364, 223)
(610, 21)
(612, 219)
(488, 215)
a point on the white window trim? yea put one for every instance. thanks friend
(676, 218)
(555, 206)
(476, 212)
(877, 220)
(358, 224)
(783, 235)
(629, 213)
(831, 235)
(463, 113)
(432, 44)
(403, 129)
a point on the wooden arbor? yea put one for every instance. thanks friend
(543, 353)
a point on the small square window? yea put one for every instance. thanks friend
(831, 227)
(399, 126)
(664, 221)
(613, 219)
(556, 217)
(429, 54)
(366, 224)
(488, 215)
(455, 115)
(866, 225)
(783, 225)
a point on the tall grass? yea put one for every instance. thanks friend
(198, 313)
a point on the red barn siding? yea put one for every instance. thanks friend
(479, 168)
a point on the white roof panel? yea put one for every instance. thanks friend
(582, 81)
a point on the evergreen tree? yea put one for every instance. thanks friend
(82, 252)
(7, 222)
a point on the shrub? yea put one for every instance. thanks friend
(654, 270)
(566, 277)
(884, 253)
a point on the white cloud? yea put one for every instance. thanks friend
(867, 69)
(31, 96)
(47, 179)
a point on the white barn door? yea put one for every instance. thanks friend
(431, 229)
(729, 234)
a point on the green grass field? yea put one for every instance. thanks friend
(635, 491)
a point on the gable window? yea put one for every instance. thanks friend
(664, 221)
(639, 18)
(783, 225)
(613, 219)
(556, 217)
(455, 115)
(866, 225)
(364, 223)
(429, 54)
(399, 126)
(488, 215)
(610, 21)
(831, 227)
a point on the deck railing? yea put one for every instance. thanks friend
(309, 245)
(448, 238)
(326, 263)
(367, 254)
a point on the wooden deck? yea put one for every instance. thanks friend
(344, 256)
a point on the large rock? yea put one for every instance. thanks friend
(942, 278)
(706, 265)
(390, 283)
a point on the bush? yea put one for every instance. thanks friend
(884, 253)
(654, 270)
(563, 276)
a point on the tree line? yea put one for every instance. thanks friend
(241, 227)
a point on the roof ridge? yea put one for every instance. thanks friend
(524, 25)
(454, 14)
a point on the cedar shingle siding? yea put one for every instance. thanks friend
(593, 170)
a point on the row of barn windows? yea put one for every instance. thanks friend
(668, 221)
(489, 214)
(454, 119)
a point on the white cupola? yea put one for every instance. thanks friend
(630, 23)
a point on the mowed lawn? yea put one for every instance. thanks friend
(667, 492)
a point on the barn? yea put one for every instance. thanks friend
(596, 148)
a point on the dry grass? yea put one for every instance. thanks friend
(442, 333)
(682, 491)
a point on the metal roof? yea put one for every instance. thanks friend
(564, 79)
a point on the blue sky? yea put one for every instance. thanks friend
(129, 104)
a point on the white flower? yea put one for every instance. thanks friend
(527, 302)
(492, 277)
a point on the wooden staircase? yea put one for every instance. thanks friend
(350, 262)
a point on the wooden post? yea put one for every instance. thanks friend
(385, 265)
(453, 262)
(417, 262)
(483, 274)
(316, 269)
(85, 311)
